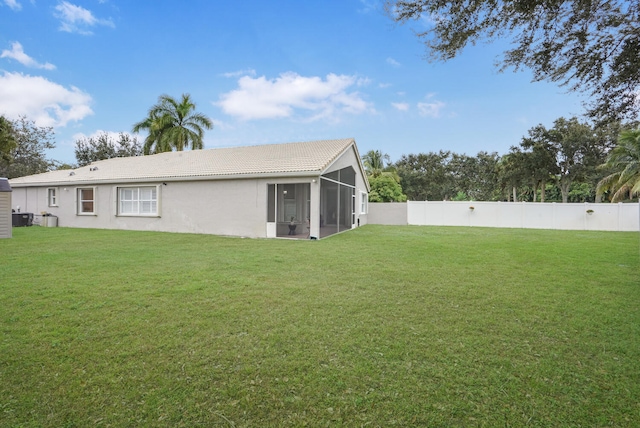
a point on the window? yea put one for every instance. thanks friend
(138, 201)
(52, 197)
(364, 199)
(86, 200)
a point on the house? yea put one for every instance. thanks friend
(296, 190)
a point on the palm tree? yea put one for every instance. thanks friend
(173, 125)
(624, 159)
(375, 162)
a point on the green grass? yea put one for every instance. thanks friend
(381, 326)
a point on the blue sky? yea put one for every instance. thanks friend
(264, 72)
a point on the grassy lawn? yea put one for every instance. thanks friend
(381, 326)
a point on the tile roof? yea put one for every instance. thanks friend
(271, 159)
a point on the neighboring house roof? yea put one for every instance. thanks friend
(291, 159)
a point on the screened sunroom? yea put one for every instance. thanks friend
(337, 201)
(290, 211)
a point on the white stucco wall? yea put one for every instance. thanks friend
(220, 207)
(388, 213)
(528, 215)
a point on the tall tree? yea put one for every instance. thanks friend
(475, 177)
(92, 149)
(173, 124)
(606, 138)
(539, 162)
(446, 175)
(425, 176)
(624, 159)
(486, 177)
(461, 168)
(576, 155)
(512, 173)
(7, 139)
(588, 46)
(574, 145)
(28, 156)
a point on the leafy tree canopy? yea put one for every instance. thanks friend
(7, 139)
(575, 147)
(104, 147)
(28, 155)
(426, 176)
(385, 188)
(589, 46)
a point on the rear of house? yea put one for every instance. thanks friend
(295, 190)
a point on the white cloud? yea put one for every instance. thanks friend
(222, 126)
(368, 6)
(401, 106)
(18, 54)
(261, 98)
(393, 62)
(239, 73)
(431, 109)
(76, 19)
(45, 102)
(363, 81)
(13, 4)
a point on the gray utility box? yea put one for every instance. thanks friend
(22, 219)
(49, 221)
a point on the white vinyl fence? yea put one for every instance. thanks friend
(527, 215)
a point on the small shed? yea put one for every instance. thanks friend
(5, 208)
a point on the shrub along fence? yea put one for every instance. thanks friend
(527, 215)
